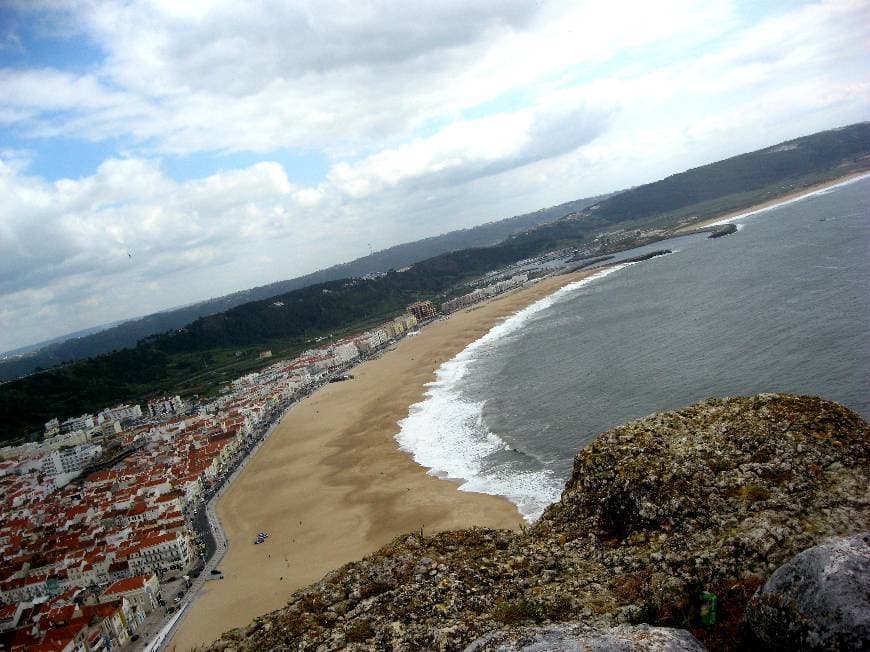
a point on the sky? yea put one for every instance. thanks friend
(154, 153)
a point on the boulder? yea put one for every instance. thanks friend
(819, 600)
(570, 638)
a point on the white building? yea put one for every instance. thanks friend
(69, 460)
(372, 340)
(246, 381)
(120, 413)
(84, 422)
(344, 353)
(161, 553)
(165, 406)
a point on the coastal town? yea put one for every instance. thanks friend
(102, 514)
(105, 532)
(483, 327)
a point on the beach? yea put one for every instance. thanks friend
(775, 202)
(330, 485)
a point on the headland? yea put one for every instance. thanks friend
(777, 201)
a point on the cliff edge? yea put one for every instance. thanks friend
(711, 498)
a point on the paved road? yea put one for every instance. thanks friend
(215, 539)
(208, 525)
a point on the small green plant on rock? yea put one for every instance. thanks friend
(753, 493)
(515, 611)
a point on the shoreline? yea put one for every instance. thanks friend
(782, 200)
(331, 485)
(352, 488)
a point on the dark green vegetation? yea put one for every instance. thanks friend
(212, 349)
(743, 180)
(96, 342)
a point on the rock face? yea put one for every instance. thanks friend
(713, 497)
(571, 638)
(819, 600)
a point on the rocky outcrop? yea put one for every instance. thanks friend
(819, 600)
(725, 229)
(713, 497)
(570, 638)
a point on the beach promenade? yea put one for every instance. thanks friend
(331, 486)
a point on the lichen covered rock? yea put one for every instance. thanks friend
(570, 638)
(711, 497)
(819, 600)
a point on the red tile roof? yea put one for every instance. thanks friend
(127, 584)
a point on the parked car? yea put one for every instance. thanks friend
(216, 572)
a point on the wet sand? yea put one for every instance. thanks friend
(331, 486)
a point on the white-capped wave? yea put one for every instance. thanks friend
(448, 435)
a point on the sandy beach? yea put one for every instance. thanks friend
(331, 486)
(783, 199)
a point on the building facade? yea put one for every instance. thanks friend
(422, 310)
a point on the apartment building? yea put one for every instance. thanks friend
(160, 553)
(165, 406)
(120, 413)
(422, 310)
(142, 591)
(70, 460)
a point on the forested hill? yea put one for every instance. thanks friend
(829, 153)
(216, 348)
(130, 332)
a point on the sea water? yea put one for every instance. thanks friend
(782, 305)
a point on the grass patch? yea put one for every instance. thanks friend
(753, 493)
(516, 611)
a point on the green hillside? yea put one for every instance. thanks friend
(746, 178)
(218, 347)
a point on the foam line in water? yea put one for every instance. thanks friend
(814, 193)
(447, 434)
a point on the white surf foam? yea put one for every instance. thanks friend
(793, 200)
(446, 433)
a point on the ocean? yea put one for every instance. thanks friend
(782, 305)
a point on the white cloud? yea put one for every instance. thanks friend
(432, 116)
(92, 225)
(468, 149)
(272, 74)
